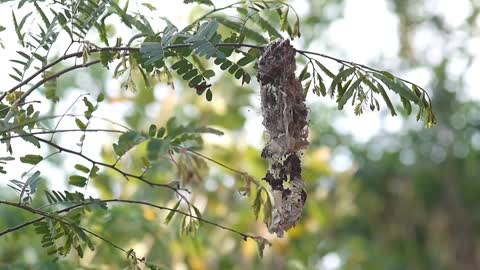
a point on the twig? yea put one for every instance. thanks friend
(63, 115)
(353, 64)
(60, 131)
(220, 164)
(94, 162)
(57, 116)
(41, 82)
(86, 203)
(53, 217)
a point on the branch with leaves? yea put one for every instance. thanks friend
(211, 44)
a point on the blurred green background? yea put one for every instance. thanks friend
(400, 198)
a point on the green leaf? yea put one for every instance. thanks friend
(387, 99)
(257, 203)
(267, 211)
(127, 141)
(416, 91)
(151, 52)
(205, 32)
(89, 105)
(209, 130)
(100, 97)
(2, 28)
(243, 30)
(82, 168)
(32, 140)
(152, 130)
(161, 132)
(195, 81)
(80, 124)
(106, 57)
(340, 76)
(245, 78)
(225, 65)
(284, 21)
(197, 211)
(296, 29)
(94, 171)
(302, 75)
(179, 64)
(19, 26)
(239, 73)
(33, 181)
(157, 148)
(264, 24)
(77, 180)
(406, 105)
(208, 73)
(348, 94)
(245, 60)
(40, 58)
(388, 75)
(79, 251)
(205, 2)
(306, 87)
(171, 213)
(15, 78)
(261, 243)
(322, 88)
(149, 6)
(31, 159)
(190, 74)
(42, 14)
(209, 95)
(233, 68)
(204, 40)
(397, 86)
(324, 69)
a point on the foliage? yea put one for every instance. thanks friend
(149, 155)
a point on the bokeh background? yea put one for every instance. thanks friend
(384, 193)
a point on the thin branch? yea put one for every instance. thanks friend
(49, 78)
(18, 227)
(63, 58)
(64, 113)
(53, 217)
(175, 46)
(350, 63)
(211, 160)
(57, 116)
(104, 49)
(44, 215)
(94, 162)
(126, 175)
(220, 164)
(61, 131)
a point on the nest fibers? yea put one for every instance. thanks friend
(285, 120)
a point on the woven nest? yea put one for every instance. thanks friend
(285, 119)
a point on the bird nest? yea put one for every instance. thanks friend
(285, 119)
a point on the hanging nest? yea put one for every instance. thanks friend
(285, 119)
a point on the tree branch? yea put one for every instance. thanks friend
(41, 82)
(60, 131)
(50, 216)
(44, 215)
(352, 64)
(175, 46)
(106, 165)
